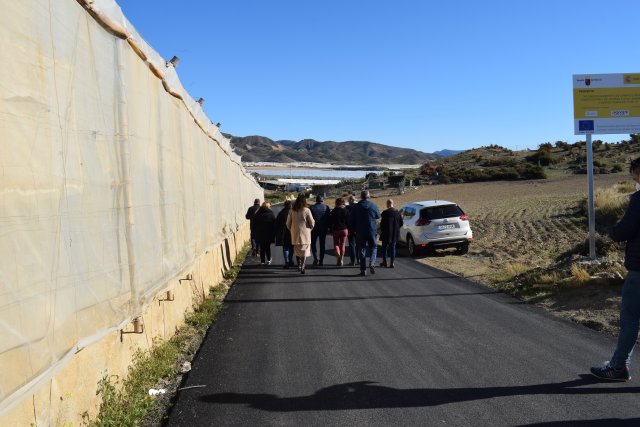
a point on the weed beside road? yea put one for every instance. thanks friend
(127, 402)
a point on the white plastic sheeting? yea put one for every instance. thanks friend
(112, 181)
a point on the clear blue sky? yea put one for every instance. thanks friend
(409, 73)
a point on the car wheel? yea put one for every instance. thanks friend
(411, 246)
(463, 249)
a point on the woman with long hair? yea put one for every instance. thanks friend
(300, 222)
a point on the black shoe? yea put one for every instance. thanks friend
(315, 262)
(286, 266)
(302, 271)
(372, 269)
(320, 263)
(362, 273)
(352, 263)
(383, 264)
(391, 265)
(609, 373)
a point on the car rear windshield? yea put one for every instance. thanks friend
(439, 212)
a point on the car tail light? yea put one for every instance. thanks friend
(423, 221)
(464, 217)
(424, 245)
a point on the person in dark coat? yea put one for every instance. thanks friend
(264, 230)
(351, 237)
(339, 220)
(249, 215)
(363, 218)
(283, 235)
(626, 230)
(390, 233)
(320, 213)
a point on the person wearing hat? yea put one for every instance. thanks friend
(363, 217)
(321, 215)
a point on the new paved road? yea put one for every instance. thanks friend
(412, 346)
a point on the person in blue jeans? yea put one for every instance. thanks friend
(363, 218)
(626, 230)
(321, 215)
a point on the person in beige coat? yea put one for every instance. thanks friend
(300, 222)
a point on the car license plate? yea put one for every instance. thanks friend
(446, 226)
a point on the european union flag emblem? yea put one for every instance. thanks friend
(585, 125)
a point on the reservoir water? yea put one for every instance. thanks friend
(315, 173)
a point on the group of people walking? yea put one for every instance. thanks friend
(300, 229)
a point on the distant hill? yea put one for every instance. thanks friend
(493, 163)
(262, 149)
(447, 153)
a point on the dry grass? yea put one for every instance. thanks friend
(625, 187)
(579, 275)
(610, 202)
(512, 270)
(548, 278)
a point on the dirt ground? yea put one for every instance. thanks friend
(522, 225)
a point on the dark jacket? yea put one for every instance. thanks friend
(339, 219)
(263, 225)
(390, 225)
(252, 211)
(352, 231)
(250, 214)
(283, 235)
(363, 218)
(320, 213)
(628, 230)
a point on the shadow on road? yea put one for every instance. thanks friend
(368, 395)
(243, 301)
(605, 422)
(339, 278)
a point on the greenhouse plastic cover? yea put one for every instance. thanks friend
(112, 181)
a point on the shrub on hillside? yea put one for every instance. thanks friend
(498, 161)
(542, 158)
(528, 171)
(520, 171)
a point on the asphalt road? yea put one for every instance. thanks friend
(410, 346)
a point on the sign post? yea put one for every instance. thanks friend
(591, 200)
(604, 104)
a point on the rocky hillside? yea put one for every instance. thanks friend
(262, 149)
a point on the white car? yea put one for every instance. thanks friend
(435, 224)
